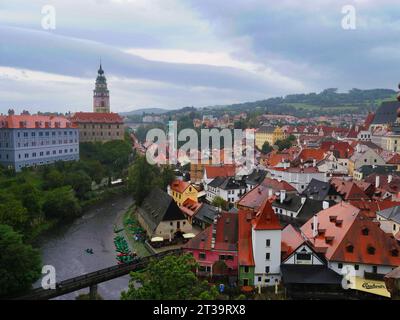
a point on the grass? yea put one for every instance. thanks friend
(137, 246)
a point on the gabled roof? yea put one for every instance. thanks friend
(349, 190)
(159, 206)
(370, 208)
(266, 218)
(226, 236)
(179, 186)
(97, 117)
(213, 171)
(255, 197)
(245, 245)
(319, 190)
(291, 240)
(392, 214)
(347, 235)
(340, 149)
(190, 207)
(311, 154)
(256, 177)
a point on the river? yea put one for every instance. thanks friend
(64, 247)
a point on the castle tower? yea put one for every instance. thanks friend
(101, 95)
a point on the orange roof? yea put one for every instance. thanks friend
(213, 171)
(255, 197)
(343, 149)
(344, 226)
(179, 185)
(291, 240)
(97, 117)
(190, 207)
(348, 189)
(34, 121)
(371, 207)
(311, 154)
(245, 246)
(266, 218)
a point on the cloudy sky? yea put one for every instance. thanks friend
(176, 53)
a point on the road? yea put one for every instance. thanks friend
(64, 247)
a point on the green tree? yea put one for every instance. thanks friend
(142, 177)
(61, 203)
(53, 179)
(12, 212)
(80, 182)
(167, 176)
(220, 203)
(171, 278)
(20, 265)
(283, 144)
(266, 148)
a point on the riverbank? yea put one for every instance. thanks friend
(130, 223)
(64, 247)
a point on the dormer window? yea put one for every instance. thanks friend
(394, 252)
(350, 248)
(365, 231)
(371, 250)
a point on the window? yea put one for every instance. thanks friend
(340, 265)
(374, 269)
(356, 267)
(202, 255)
(267, 256)
(246, 269)
(268, 242)
(303, 256)
(259, 279)
(267, 269)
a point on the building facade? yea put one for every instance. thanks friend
(268, 134)
(32, 140)
(99, 127)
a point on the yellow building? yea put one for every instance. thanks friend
(391, 142)
(269, 134)
(181, 190)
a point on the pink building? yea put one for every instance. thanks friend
(215, 249)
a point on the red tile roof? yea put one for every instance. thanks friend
(311, 154)
(343, 149)
(96, 117)
(34, 121)
(190, 207)
(349, 190)
(291, 240)
(179, 185)
(266, 218)
(213, 171)
(226, 237)
(356, 239)
(254, 198)
(245, 246)
(371, 207)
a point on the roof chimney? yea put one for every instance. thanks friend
(377, 181)
(390, 178)
(282, 195)
(325, 205)
(315, 226)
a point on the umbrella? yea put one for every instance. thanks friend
(189, 235)
(157, 239)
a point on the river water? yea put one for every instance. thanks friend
(64, 247)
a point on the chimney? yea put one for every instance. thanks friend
(303, 200)
(325, 205)
(283, 195)
(390, 178)
(314, 163)
(377, 181)
(315, 226)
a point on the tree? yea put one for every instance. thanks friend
(61, 203)
(171, 278)
(12, 212)
(142, 177)
(266, 148)
(53, 179)
(80, 182)
(20, 264)
(283, 144)
(167, 176)
(220, 203)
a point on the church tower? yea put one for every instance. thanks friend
(101, 95)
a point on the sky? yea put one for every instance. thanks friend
(176, 53)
